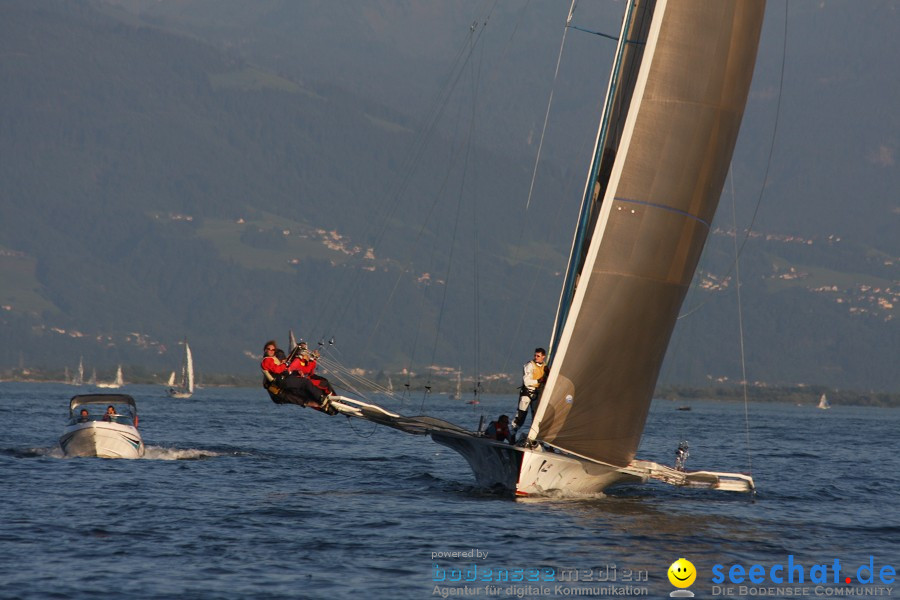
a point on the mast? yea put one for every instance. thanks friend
(632, 37)
(681, 91)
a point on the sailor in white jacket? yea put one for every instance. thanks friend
(534, 374)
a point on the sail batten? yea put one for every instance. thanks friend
(655, 200)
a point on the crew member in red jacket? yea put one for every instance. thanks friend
(305, 365)
(271, 365)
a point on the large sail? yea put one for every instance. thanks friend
(682, 82)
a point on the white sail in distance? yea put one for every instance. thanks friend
(188, 374)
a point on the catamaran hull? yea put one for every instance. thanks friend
(548, 473)
(102, 440)
(525, 472)
(531, 472)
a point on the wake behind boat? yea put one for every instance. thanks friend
(94, 430)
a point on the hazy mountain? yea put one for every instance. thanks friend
(228, 170)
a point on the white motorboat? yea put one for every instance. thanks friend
(94, 430)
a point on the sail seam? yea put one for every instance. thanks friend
(663, 207)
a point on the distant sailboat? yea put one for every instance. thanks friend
(79, 374)
(458, 394)
(115, 384)
(824, 404)
(185, 386)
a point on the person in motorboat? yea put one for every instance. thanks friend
(499, 429)
(534, 375)
(110, 414)
(85, 416)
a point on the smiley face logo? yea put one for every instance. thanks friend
(682, 573)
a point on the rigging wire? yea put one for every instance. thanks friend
(606, 35)
(444, 96)
(765, 178)
(537, 158)
(476, 291)
(519, 250)
(740, 308)
(391, 203)
(452, 161)
(738, 250)
(465, 169)
(463, 59)
(460, 67)
(425, 287)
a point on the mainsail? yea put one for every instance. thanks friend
(674, 107)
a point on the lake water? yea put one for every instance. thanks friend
(240, 498)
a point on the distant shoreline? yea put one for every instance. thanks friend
(806, 395)
(801, 395)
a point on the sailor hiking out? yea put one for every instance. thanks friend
(290, 380)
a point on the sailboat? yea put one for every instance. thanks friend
(824, 404)
(185, 386)
(673, 109)
(79, 374)
(458, 394)
(118, 382)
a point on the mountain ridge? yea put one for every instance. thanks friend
(153, 174)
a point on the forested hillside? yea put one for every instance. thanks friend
(171, 170)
